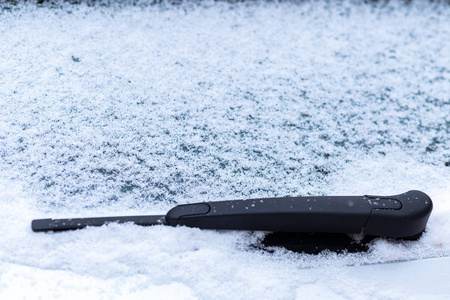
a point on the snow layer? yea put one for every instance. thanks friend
(122, 109)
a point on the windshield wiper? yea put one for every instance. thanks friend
(398, 216)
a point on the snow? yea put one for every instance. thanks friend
(122, 110)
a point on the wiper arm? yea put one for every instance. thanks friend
(398, 216)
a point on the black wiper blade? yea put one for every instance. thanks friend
(79, 223)
(398, 216)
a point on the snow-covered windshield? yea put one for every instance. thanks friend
(132, 109)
